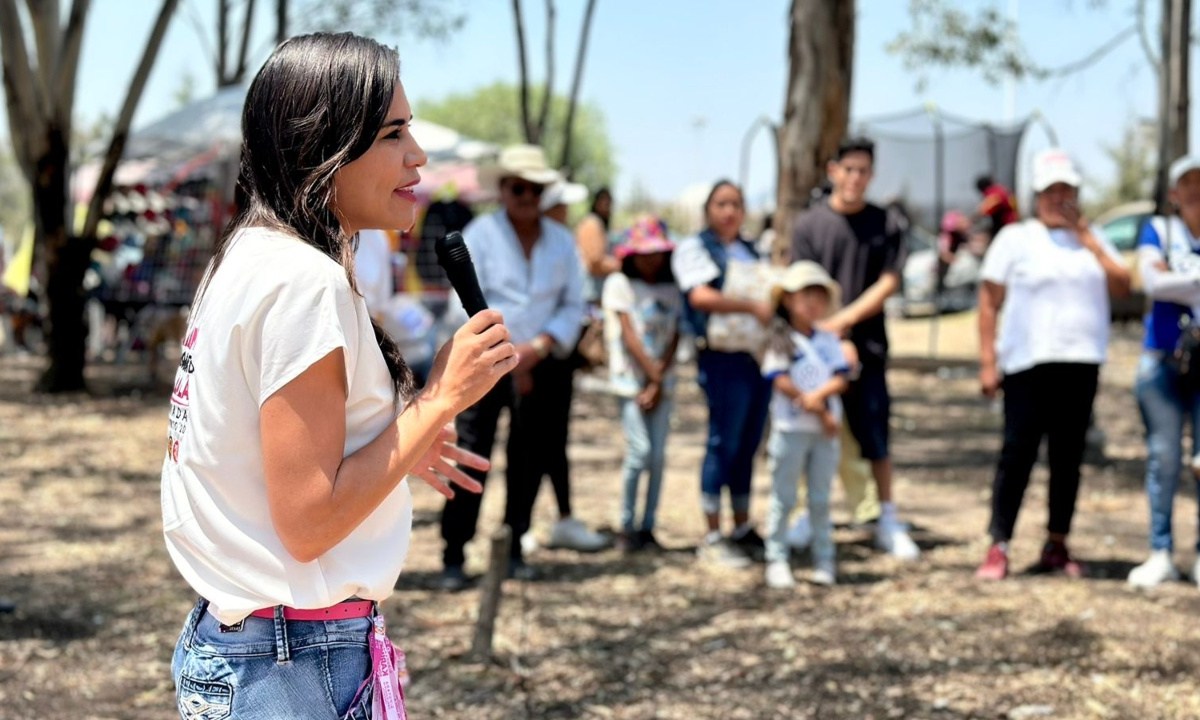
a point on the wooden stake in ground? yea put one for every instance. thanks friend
(489, 596)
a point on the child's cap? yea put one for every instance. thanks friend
(805, 274)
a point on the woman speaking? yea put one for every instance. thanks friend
(293, 423)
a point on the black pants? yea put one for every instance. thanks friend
(536, 442)
(558, 382)
(1054, 401)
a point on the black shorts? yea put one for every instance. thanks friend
(868, 409)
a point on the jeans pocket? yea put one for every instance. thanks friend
(204, 699)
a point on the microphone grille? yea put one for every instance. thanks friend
(452, 249)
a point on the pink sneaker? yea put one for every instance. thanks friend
(995, 565)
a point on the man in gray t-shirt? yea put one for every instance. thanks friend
(862, 247)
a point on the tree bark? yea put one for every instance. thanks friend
(66, 259)
(816, 109)
(573, 101)
(244, 48)
(222, 41)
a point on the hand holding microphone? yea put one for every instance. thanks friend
(480, 352)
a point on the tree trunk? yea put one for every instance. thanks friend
(569, 129)
(1173, 95)
(66, 259)
(816, 110)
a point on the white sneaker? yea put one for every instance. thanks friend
(1156, 570)
(891, 536)
(799, 535)
(529, 543)
(824, 574)
(573, 535)
(779, 575)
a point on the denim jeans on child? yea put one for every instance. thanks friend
(645, 451)
(269, 669)
(1165, 409)
(814, 456)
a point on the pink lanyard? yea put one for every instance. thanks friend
(389, 675)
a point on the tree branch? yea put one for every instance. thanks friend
(524, 71)
(545, 112)
(1144, 38)
(222, 40)
(43, 16)
(281, 21)
(569, 130)
(24, 111)
(67, 68)
(1092, 57)
(121, 129)
(247, 24)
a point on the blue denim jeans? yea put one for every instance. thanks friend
(271, 669)
(737, 396)
(814, 456)
(1164, 411)
(645, 451)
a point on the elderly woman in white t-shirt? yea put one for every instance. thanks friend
(1052, 275)
(292, 425)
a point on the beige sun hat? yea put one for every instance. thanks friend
(805, 274)
(527, 162)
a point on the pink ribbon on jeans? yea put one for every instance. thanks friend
(389, 675)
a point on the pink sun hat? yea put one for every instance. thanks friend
(646, 236)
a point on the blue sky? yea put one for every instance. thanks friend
(655, 67)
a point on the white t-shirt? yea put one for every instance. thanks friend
(812, 362)
(1056, 306)
(654, 311)
(274, 307)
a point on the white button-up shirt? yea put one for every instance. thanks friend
(539, 294)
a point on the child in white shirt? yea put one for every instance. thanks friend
(808, 369)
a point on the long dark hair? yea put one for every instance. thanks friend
(315, 106)
(603, 192)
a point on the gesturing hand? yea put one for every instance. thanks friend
(441, 465)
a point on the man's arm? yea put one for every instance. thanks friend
(866, 306)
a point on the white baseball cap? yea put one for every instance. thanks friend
(1181, 167)
(1054, 166)
(562, 193)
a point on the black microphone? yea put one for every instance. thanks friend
(455, 259)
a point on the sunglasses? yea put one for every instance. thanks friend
(520, 188)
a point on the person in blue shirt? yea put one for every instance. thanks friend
(1169, 261)
(528, 269)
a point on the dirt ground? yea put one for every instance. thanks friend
(605, 636)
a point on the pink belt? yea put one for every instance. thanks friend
(342, 611)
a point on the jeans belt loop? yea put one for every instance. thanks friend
(283, 655)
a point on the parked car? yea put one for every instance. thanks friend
(1122, 225)
(918, 294)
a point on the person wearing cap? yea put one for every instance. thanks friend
(642, 309)
(528, 270)
(808, 370)
(861, 245)
(1169, 262)
(1052, 274)
(559, 197)
(733, 385)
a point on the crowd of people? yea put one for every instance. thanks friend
(296, 424)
